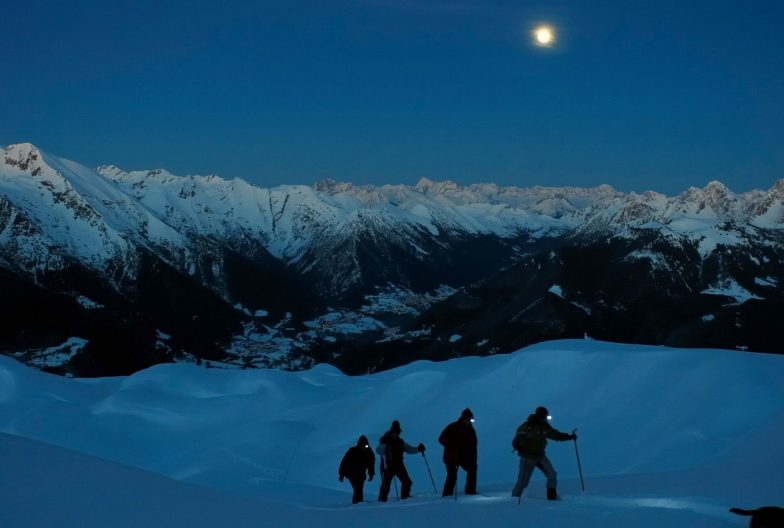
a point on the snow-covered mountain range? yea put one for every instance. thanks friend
(204, 267)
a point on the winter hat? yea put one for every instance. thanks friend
(363, 441)
(542, 412)
(396, 427)
(467, 413)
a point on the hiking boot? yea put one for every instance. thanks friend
(552, 494)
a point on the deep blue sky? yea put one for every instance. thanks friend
(638, 94)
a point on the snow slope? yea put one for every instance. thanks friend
(68, 210)
(667, 436)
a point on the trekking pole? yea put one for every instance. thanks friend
(457, 479)
(396, 493)
(579, 466)
(429, 473)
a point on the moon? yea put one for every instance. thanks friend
(544, 36)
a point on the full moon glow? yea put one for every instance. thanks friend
(544, 36)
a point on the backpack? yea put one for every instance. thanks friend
(518, 442)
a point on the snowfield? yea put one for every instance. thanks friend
(667, 437)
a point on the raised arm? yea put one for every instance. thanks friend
(558, 436)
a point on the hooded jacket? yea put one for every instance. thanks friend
(357, 460)
(459, 441)
(535, 433)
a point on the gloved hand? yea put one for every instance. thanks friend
(340, 478)
(370, 478)
(421, 448)
(574, 436)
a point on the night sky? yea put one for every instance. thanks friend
(637, 94)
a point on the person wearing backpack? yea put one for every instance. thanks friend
(358, 460)
(459, 441)
(391, 449)
(530, 442)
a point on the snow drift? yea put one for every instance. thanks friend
(666, 436)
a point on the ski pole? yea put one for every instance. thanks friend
(522, 468)
(381, 487)
(579, 466)
(429, 473)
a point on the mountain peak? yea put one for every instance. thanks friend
(716, 186)
(24, 156)
(718, 197)
(106, 170)
(331, 186)
(426, 184)
(715, 195)
(423, 184)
